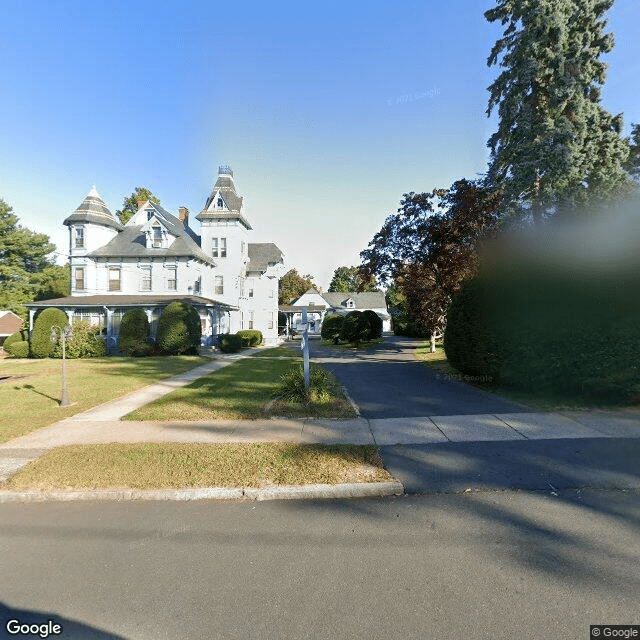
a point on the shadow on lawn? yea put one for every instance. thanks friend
(30, 387)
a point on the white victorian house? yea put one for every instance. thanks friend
(156, 258)
(321, 304)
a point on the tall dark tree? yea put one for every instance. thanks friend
(130, 204)
(633, 161)
(351, 279)
(292, 285)
(27, 269)
(431, 246)
(555, 147)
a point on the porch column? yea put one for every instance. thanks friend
(32, 313)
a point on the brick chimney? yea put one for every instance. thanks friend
(140, 202)
(184, 215)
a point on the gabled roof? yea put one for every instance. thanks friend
(225, 188)
(263, 255)
(95, 211)
(172, 224)
(10, 322)
(366, 300)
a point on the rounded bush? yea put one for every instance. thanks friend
(230, 343)
(354, 328)
(250, 337)
(134, 331)
(18, 349)
(179, 329)
(331, 327)
(374, 324)
(18, 336)
(41, 344)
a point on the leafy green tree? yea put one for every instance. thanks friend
(26, 270)
(292, 285)
(350, 279)
(555, 147)
(130, 204)
(430, 247)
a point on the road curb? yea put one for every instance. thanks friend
(284, 492)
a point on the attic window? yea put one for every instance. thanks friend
(350, 304)
(220, 203)
(149, 214)
(157, 235)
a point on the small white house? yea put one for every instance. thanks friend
(156, 258)
(321, 304)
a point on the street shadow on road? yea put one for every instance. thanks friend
(68, 628)
(561, 507)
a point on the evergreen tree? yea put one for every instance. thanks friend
(26, 270)
(555, 147)
(633, 161)
(130, 204)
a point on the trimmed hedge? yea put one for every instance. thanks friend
(41, 345)
(230, 343)
(332, 327)
(134, 334)
(250, 337)
(18, 349)
(179, 329)
(550, 331)
(355, 327)
(19, 336)
(374, 324)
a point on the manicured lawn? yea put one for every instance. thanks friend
(536, 400)
(30, 389)
(244, 390)
(154, 465)
(352, 345)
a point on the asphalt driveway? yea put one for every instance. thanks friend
(386, 381)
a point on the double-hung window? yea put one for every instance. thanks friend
(115, 279)
(219, 247)
(172, 282)
(78, 274)
(145, 279)
(79, 238)
(250, 319)
(157, 235)
(219, 285)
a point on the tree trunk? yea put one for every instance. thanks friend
(433, 343)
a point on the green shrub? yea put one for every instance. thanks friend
(250, 337)
(355, 328)
(18, 336)
(41, 344)
(373, 323)
(85, 342)
(18, 349)
(230, 343)
(179, 329)
(292, 389)
(331, 327)
(134, 333)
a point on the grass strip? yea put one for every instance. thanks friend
(156, 465)
(30, 389)
(244, 390)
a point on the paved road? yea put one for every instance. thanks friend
(386, 381)
(495, 565)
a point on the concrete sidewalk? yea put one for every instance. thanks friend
(103, 424)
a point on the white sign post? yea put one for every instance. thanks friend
(305, 349)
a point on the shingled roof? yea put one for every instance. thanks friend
(232, 210)
(93, 210)
(131, 241)
(366, 300)
(263, 255)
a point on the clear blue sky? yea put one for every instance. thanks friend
(327, 112)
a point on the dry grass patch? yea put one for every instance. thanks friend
(155, 465)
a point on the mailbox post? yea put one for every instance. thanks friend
(305, 350)
(64, 335)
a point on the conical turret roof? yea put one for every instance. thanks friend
(94, 210)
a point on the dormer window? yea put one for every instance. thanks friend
(156, 231)
(220, 203)
(350, 303)
(79, 238)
